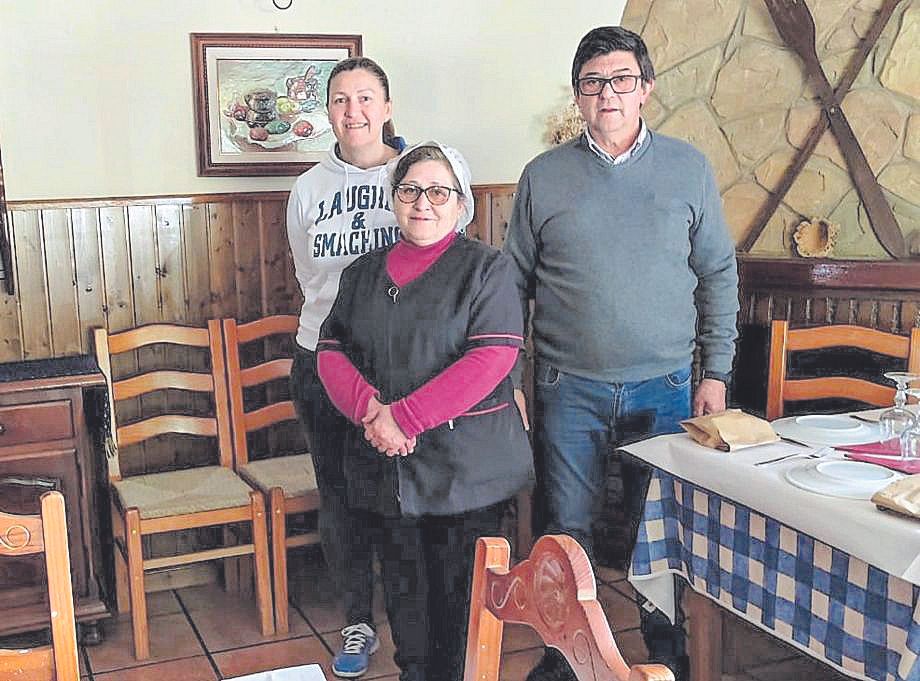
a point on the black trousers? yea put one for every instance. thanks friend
(343, 532)
(427, 564)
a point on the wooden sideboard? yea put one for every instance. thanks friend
(46, 409)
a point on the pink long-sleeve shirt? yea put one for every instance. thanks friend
(444, 397)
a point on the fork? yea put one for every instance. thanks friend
(816, 454)
(795, 24)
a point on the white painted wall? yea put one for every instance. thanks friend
(97, 94)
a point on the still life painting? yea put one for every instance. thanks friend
(261, 100)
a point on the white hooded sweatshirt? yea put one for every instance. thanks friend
(335, 213)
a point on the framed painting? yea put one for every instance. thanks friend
(260, 100)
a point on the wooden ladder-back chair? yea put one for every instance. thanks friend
(553, 591)
(22, 535)
(288, 481)
(182, 499)
(783, 340)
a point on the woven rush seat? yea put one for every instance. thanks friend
(193, 490)
(293, 474)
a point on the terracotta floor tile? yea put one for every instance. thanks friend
(799, 667)
(171, 637)
(632, 647)
(625, 588)
(276, 655)
(609, 574)
(210, 596)
(515, 666)
(753, 647)
(162, 603)
(519, 637)
(621, 612)
(190, 669)
(235, 624)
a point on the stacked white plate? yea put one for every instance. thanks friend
(840, 478)
(832, 429)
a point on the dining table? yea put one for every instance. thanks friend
(837, 578)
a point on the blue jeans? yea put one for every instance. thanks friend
(578, 422)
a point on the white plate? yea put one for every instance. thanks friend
(806, 476)
(837, 424)
(829, 430)
(857, 472)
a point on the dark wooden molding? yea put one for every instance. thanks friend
(190, 199)
(802, 275)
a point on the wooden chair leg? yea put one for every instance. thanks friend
(262, 570)
(136, 583)
(279, 559)
(231, 565)
(705, 637)
(122, 595)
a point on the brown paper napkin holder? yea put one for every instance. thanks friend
(729, 430)
(902, 496)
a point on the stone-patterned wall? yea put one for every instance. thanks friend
(727, 83)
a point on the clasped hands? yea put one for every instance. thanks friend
(382, 431)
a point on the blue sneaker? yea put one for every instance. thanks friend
(360, 643)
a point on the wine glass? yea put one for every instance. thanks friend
(910, 438)
(892, 422)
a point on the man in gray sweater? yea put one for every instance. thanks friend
(620, 242)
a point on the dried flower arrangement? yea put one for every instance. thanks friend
(564, 124)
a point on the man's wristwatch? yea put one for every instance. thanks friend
(717, 375)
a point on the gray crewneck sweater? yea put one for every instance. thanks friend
(628, 265)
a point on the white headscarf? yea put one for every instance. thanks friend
(460, 169)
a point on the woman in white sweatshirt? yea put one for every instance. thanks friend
(338, 210)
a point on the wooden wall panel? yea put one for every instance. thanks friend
(89, 284)
(31, 285)
(57, 238)
(221, 256)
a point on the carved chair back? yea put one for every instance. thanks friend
(22, 535)
(554, 592)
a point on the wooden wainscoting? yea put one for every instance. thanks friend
(123, 262)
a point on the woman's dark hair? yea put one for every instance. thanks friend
(426, 153)
(372, 67)
(607, 39)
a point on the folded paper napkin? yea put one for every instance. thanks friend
(901, 496)
(729, 430)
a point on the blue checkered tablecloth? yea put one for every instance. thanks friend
(837, 608)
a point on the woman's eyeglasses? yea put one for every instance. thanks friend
(437, 195)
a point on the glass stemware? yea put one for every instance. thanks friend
(895, 421)
(910, 438)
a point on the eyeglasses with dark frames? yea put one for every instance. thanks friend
(623, 84)
(436, 194)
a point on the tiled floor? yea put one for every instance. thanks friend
(205, 634)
